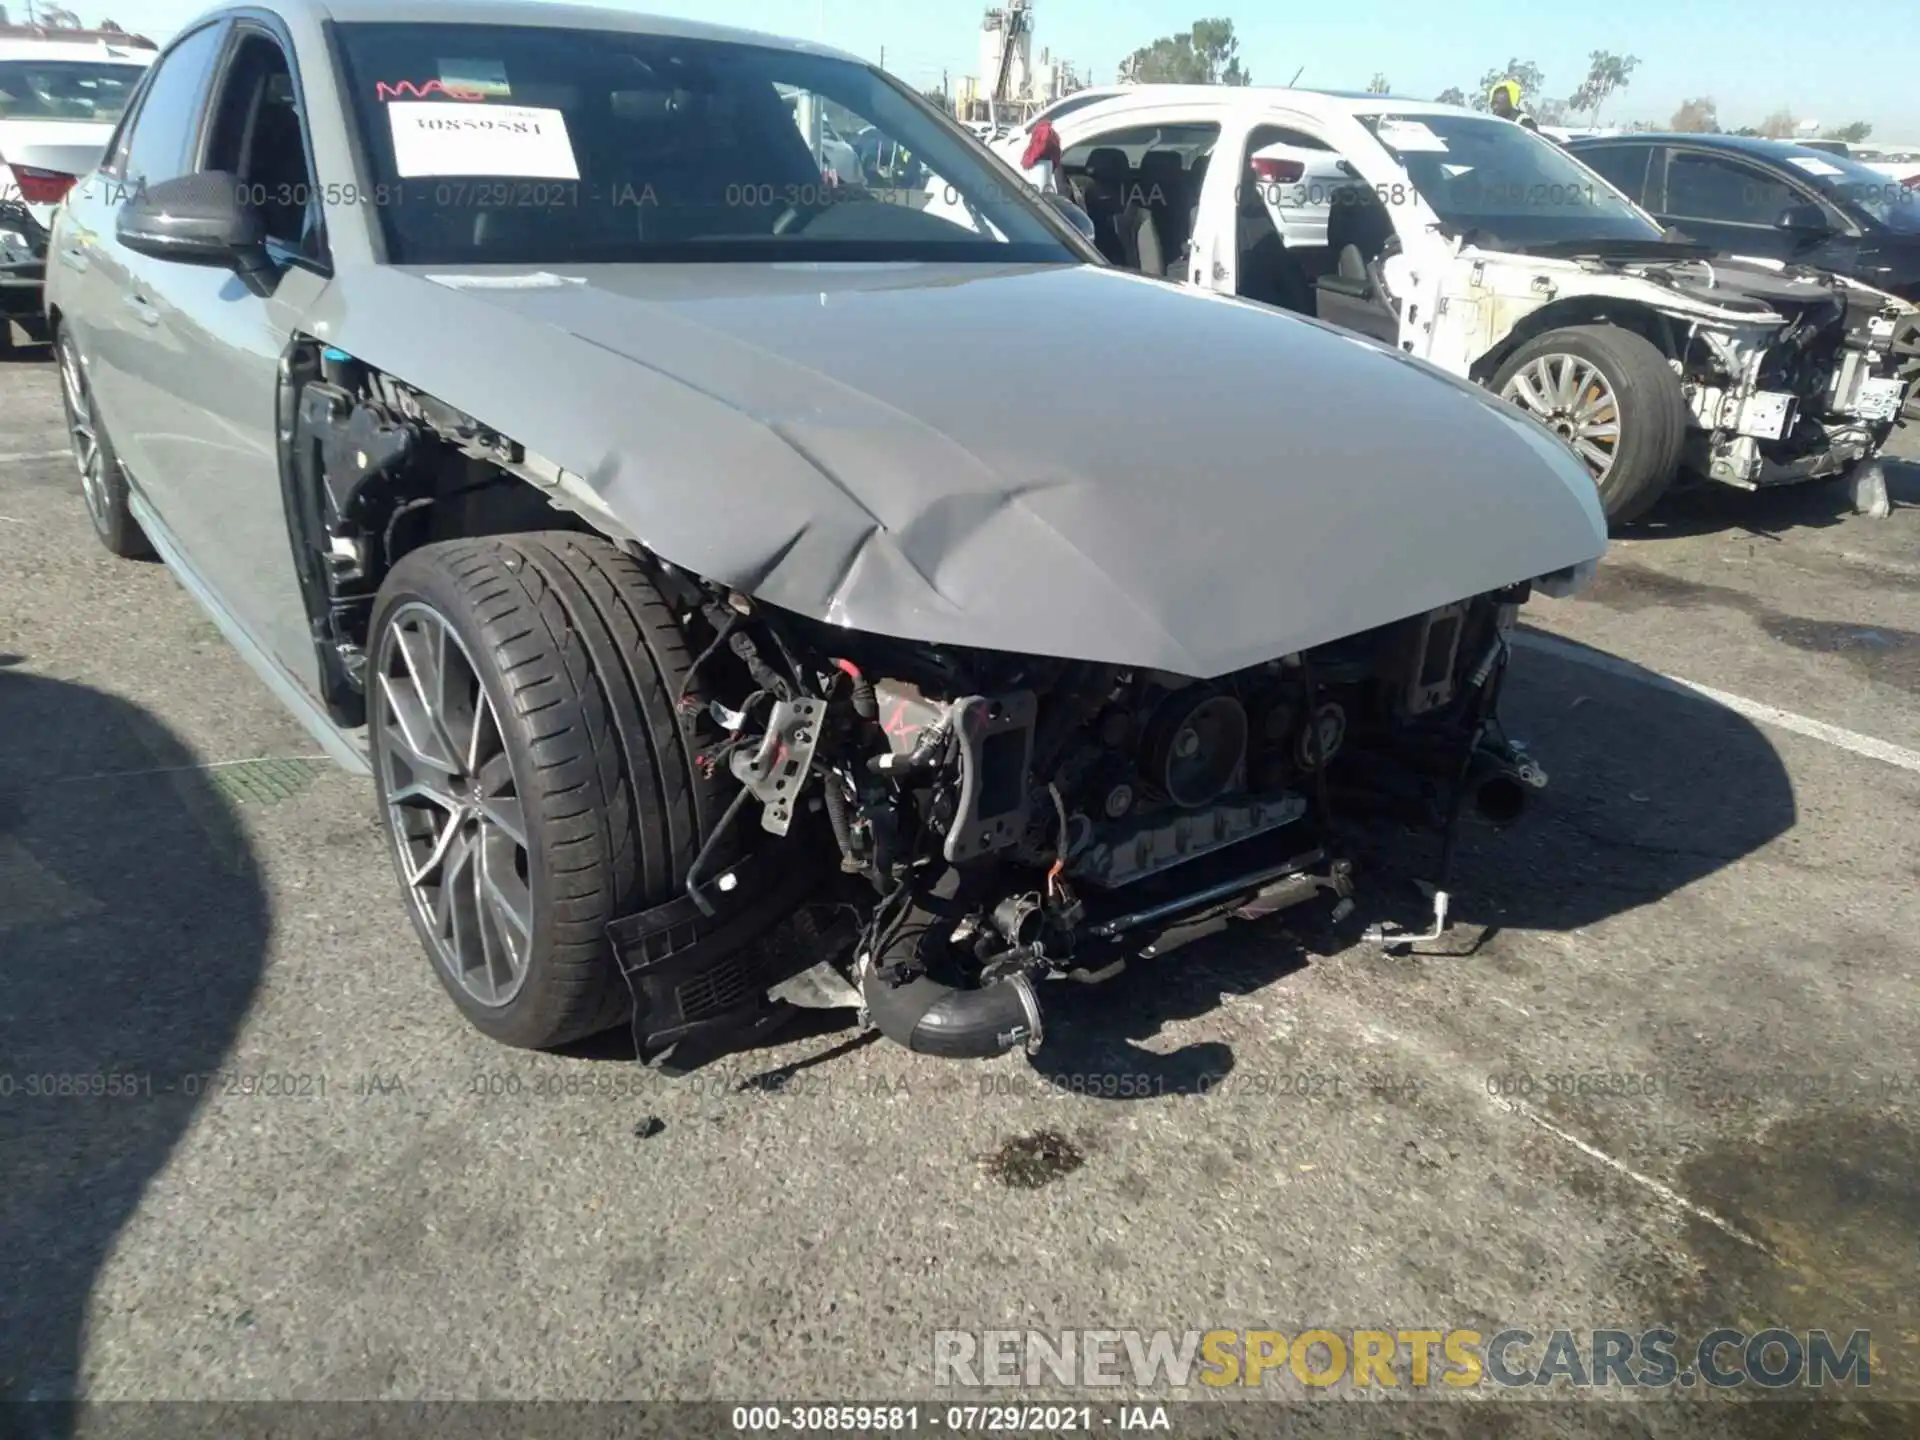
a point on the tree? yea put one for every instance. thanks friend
(1696, 117)
(1606, 74)
(58, 17)
(1452, 95)
(1780, 125)
(1525, 72)
(1208, 54)
(1852, 133)
(1377, 85)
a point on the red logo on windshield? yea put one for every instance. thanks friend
(383, 91)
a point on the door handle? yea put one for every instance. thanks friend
(143, 307)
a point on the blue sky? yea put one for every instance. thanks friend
(1741, 52)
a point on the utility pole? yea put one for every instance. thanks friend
(883, 57)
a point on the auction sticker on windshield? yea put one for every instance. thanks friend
(524, 141)
(1405, 135)
(1813, 166)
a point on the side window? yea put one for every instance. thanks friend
(156, 146)
(257, 138)
(1624, 166)
(1712, 187)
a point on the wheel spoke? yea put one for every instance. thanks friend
(498, 802)
(1600, 460)
(1572, 381)
(505, 891)
(424, 655)
(1522, 388)
(413, 735)
(460, 880)
(506, 911)
(440, 855)
(446, 891)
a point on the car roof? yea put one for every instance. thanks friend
(521, 12)
(1258, 97)
(1758, 146)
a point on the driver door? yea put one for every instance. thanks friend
(197, 377)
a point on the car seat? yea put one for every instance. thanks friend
(1359, 232)
(1163, 181)
(1104, 195)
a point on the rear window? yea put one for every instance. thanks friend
(66, 89)
(542, 145)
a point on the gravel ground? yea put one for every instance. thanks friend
(364, 1199)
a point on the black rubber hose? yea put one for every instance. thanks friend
(935, 1019)
(837, 815)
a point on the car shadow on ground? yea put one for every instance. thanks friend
(1651, 790)
(133, 931)
(1708, 508)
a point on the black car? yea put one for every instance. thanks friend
(1772, 199)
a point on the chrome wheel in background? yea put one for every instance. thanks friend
(1572, 398)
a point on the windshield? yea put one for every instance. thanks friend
(66, 89)
(1882, 197)
(1504, 182)
(538, 145)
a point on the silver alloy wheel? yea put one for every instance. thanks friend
(453, 807)
(1573, 399)
(81, 432)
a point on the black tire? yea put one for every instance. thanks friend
(581, 660)
(105, 495)
(1652, 410)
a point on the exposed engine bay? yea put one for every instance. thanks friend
(1782, 403)
(1003, 820)
(1789, 374)
(927, 833)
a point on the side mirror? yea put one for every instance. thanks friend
(1075, 216)
(195, 219)
(1805, 221)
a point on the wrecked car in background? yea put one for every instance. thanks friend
(715, 615)
(1477, 245)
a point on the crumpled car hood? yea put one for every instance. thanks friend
(1053, 460)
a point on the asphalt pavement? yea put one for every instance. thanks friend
(292, 1172)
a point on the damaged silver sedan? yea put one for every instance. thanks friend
(742, 581)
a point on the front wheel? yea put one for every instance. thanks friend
(536, 776)
(1612, 396)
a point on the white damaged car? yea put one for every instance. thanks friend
(1476, 245)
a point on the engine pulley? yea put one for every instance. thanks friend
(1197, 747)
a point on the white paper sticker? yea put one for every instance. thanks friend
(1406, 135)
(464, 138)
(1815, 167)
(477, 77)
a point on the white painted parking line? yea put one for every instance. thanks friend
(1665, 1192)
(1755, 710)
(21, 458)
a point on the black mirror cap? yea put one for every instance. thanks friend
(198, 219)
(1805, 219)
(1076, 217)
